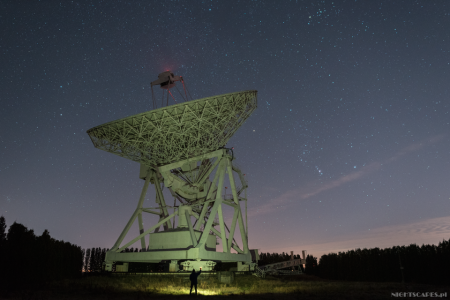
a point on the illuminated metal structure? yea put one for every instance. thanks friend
(181, 147)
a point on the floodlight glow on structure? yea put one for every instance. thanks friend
(181, 147)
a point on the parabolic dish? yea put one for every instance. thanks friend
(177, 132)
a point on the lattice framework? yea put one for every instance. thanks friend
(176, 132)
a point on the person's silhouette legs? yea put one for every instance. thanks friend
(192, 285)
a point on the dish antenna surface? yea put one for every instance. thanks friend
(181, 147)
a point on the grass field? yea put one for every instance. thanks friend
(244, 287)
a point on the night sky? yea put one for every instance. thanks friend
(349, 146)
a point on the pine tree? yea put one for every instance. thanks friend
(19, 257)
(87, 257)
(311, 265)
(83, 253)
(98, 260)
(43, 250)
(92, 260)
(2, 230)
(102, 260)
(2, 246)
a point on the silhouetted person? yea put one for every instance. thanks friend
(193, 278)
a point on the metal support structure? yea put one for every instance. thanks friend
(137, 212)
(179, 147)
(191, 229)
(145, 232)
(219, 207)
(209, 194)
(201, 199)
(161, 202)
(233, 227)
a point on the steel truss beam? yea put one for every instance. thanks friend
(204, 210)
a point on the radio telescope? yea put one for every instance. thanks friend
(181, 148)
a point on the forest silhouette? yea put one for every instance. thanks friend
(32, 261)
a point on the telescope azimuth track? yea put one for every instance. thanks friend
(181, 147)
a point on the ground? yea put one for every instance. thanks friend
(245, 287)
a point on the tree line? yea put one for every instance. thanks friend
(271, 258)
(27, 259)
(93, 260)
(425, 264)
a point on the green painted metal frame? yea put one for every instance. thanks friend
(222, 165)
(166, 138)
(177, 132)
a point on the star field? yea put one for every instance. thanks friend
(349, 141)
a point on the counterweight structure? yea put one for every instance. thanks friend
(181, 148)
